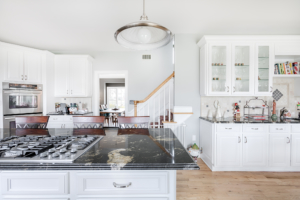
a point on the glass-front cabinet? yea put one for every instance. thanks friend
(242, 69)
(219, 69)
(263, 69)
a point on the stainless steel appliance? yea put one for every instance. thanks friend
(45, 149)
(21, 99)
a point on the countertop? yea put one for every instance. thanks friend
(55, 114)
(245, 120)
(159, 149)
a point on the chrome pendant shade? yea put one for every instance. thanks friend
(143, 34)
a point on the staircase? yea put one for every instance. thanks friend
(159, 105)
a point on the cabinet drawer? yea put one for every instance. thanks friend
(255, 128)
(296, 128)
(280, 128)
(68, 119)
(122, 183)
(56, 118)
(40, 183)
(228, 128)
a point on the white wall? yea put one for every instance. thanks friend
(187, 80)
(143, 75)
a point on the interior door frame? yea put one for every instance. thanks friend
(97, 74)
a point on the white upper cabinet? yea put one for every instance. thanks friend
(21, 64)
(236, 66)
(73, 76)
(264, 64)
(242, 69)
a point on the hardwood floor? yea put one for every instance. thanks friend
(207, 185)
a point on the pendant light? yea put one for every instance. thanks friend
(143, 34)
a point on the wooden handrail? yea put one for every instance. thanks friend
(152, 93)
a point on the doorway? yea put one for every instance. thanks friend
(110, 89)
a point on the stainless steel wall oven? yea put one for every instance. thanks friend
(21, 99)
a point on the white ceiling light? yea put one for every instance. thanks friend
(143, 35)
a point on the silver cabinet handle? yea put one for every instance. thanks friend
(246, 140)
(121, 185)
(255, 129)
(271, 89)
(71, 91)
(9, 118)
(228, 128)
(289, 141)
(227, 88)
(233, 88)
(25, 77)
(239, 141)
(22, 77)
(67, 92)
(279, 129)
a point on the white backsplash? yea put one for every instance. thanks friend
(284, 85)
(81, 102)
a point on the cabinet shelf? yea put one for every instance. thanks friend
(286, 75)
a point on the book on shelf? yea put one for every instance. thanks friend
(288, 69)
(296, 67)
(275, 68)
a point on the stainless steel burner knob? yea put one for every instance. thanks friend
(42, 155)
(67, 154)
(73, 150)
(55, 155)
(51, 150)
(63, 150)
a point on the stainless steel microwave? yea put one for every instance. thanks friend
(22, 98)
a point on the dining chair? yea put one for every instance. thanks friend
(88, 125)
(88, 122)
(134, 122)
(115, 119)
(35, 122)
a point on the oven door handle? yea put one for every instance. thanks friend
(9, 118)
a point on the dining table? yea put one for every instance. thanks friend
(110, 110)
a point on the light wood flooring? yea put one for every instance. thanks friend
(204, 184)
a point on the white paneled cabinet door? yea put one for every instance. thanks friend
(264, 69)
(219, 69)
(78, 71)
(280, 149)
(242, 69)
(14, 70)
(61, 77)
(228, 149)
(255, 149)
(295, 150)
(32, 67)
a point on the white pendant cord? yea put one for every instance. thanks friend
(144, 17)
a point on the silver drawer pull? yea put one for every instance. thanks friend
(255, 129)
(121, 185)
(279, 129)
(228, 128)
(289, 141)
(245, 140)
(239, 139)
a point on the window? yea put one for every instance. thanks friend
(116, 97)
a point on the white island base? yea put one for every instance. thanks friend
(88, 185)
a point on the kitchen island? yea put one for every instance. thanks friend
(230, 144)
(129, 165)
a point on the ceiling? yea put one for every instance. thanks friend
(79, 26)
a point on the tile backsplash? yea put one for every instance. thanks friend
(283, 85)
(81, 102)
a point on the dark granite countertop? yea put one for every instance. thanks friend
(245, 120)
(55, 114)
(159, 150)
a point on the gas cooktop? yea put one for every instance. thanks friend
(45, 149)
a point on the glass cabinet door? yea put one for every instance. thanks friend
(263, 85)
(218, 70)
(243, 70)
